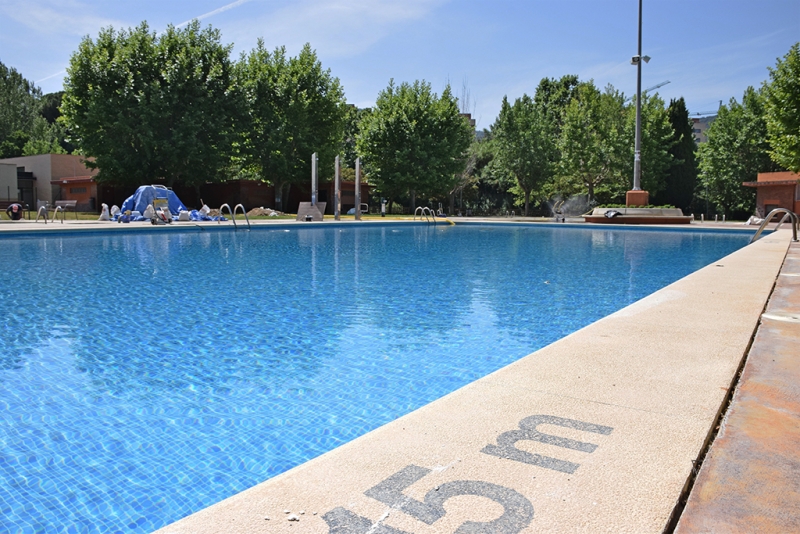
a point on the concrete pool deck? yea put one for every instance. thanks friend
(600, 431)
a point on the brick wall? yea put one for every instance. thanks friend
(776, 196)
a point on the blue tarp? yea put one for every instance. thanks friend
(145, 195)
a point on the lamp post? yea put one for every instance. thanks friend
(637, 197)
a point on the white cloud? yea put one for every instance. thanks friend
(341, 27)
(217, 11)
(56, 18)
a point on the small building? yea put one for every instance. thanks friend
(9, 190)
(51, 177)
(700, 126)
(776, 190)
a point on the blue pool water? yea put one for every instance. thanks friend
(146, 376)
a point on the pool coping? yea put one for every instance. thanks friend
(748, 480)
(599, 430)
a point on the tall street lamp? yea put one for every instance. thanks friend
(637, 197)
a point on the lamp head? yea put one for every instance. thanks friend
(646, 59)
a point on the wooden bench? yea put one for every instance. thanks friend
(67, 204)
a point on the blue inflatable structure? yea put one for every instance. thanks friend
(144, 196)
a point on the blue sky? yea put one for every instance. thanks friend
(710, 50)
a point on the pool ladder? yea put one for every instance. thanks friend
(42, 215)
(424, 211)
(55, 212)
(233, 214)
(786, 213)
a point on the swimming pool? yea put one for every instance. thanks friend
(146, 376)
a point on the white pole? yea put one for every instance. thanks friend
(358, 189)
(337, 206)
(314, 179)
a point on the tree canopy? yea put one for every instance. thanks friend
(592, 138)
(295, 108)
(553, 96)
(525, 144)
(45, 139)
(414, 141)
(783, 110)
(681, 179)
(736, 151)
(19, 106)
(153, 106)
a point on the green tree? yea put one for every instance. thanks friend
(553, 96)
(592, 140)
(783, 110)
(45, 139)
(150, 107)
(485, 187)
(295, 108)
(50, 110)
(414, 141)
(681, 180)
(736, 151)
(19, 104)
(14, 144)
(525, 145)
(49, 106)
(352, 125)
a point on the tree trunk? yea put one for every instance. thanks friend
(279, 196)
(287, 189)
(413, 200)
(591, 191)
(527, 200)
(452, 203)
(198, 200)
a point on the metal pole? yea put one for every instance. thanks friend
(358, 189)
(337, 192)
(637, 151)
(314, 179)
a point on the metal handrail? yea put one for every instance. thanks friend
(425, 211)
(786, 213)
(432, 214)
(219, 221)
(55, 211)
(39, 214)
(246, 218)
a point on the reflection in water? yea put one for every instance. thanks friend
(163, 372)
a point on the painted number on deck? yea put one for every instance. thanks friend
(506, 442)
(517, 515)
(518, 510)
